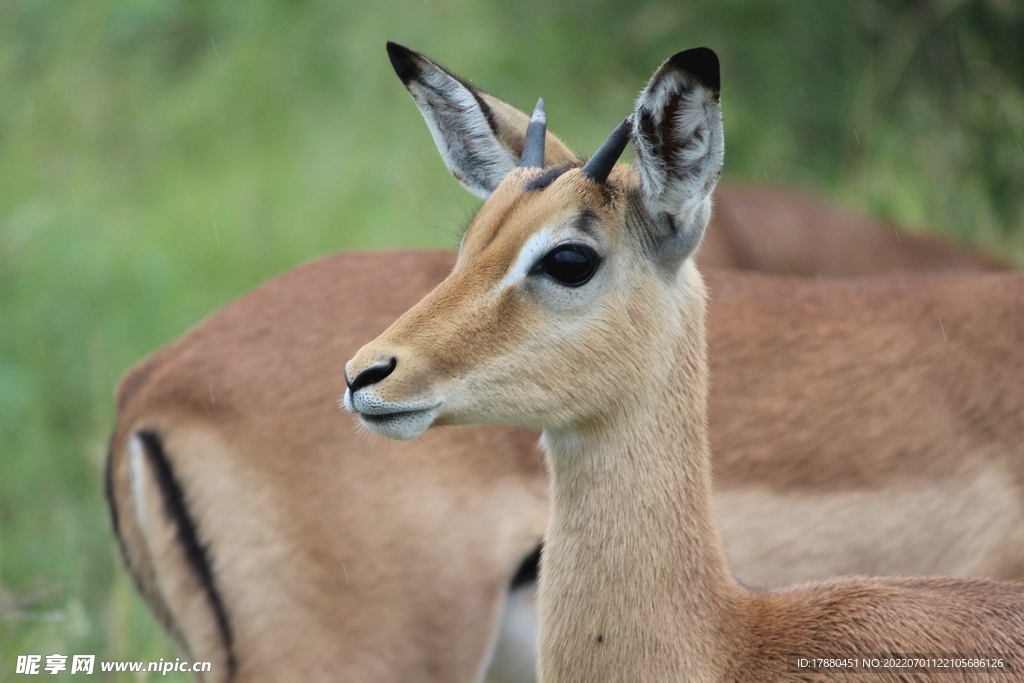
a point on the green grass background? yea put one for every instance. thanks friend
(160, 157)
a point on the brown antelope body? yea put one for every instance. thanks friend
(575, 307)
(770, 230)
(850, 436)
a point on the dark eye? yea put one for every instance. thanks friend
(569, 264)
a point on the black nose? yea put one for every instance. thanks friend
(371, 375)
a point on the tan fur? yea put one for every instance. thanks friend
(284, 490)
(635, 584)
(359, 554)
(263, 354)
(881, 531)
(771, 230)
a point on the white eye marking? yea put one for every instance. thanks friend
(532, 250)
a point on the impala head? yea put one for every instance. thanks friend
(566, 297)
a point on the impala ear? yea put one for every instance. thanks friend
(480, 137)
(677, 133)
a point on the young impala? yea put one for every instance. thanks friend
(575, 307)
(859, 426)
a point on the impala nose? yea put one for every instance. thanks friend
(371, 375)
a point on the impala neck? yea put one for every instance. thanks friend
(634, 583)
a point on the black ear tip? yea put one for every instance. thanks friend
(702, 62)
(403, 60)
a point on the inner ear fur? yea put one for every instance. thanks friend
(678, 136)
(479, 137)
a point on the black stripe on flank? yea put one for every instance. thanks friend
(155, 600)
(529, 570)
(548, 176)
(195, 552)
(115, 518)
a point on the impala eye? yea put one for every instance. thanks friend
(569, 264)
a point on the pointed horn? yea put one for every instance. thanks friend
(601, 164)
(533, 148)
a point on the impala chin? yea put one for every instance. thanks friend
(394, 420)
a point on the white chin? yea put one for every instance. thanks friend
(401, 426)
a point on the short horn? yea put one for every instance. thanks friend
(601, 164)
(533, 148)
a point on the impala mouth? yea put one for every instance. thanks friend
(385, 417)
(402, 424)
(394, 420)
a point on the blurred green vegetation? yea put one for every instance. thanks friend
(160, 157)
